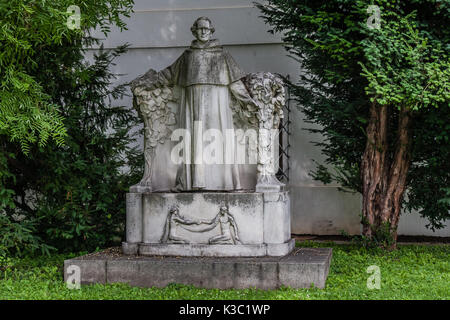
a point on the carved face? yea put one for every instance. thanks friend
(174, 211)
(203, 31)
(223, 211)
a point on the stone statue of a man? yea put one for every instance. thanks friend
(227, 223)
(208, 77)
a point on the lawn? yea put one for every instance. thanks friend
(411, 272)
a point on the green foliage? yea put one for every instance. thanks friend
(447, 199)
(344, 64)
(381, 237)
(6, 195)
(70, 195)
(411, 272)
(19, 238)
(76, 192)
(28, 30)
(429, 173)
(402, 68)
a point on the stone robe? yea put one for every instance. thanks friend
(207, 76)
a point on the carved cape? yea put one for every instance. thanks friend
(202, 64)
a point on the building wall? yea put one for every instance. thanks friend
(158, 33)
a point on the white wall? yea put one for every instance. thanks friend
(159, 31)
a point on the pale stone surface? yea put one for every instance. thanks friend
(208, 77)
(268, 91)
(203, 250)
(300, 269)
(91, 271)
(255, 224)
(130, 248)
(214, 94)
(247, 209)
(277, 218)
(134, 217)
(305, 264)
(279, 249)
(208, 250)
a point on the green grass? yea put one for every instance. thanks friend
(411, 272)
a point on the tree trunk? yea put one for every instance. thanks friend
(373, 168)
(384, 175)
(398, 173)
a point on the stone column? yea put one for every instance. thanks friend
(133, 223)
(268, 93)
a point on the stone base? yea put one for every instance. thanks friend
(269, 183)
(256, 224)
(208, 250)
(140, 189)
(302, 268)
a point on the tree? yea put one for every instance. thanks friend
(380, 94)
(64, 193)
(28, 30)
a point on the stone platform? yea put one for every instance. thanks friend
(210, 224)
(209, 250)
(302, 268)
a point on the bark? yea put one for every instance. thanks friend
(373, 167)
(384, 172)
(398, 173)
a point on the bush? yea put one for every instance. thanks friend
(69, 194)
(19, 238)
(384, 132)
(74, 195)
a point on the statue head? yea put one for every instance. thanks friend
(174, 210)
(223, 210)
(202, 29)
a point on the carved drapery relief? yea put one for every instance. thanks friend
(228, 229)
(268, 92)
(152, 106)
(265, 88)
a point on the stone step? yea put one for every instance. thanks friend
(302, 268)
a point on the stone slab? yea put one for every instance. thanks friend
(208, 250)
(277, 218)
(279, 249)
(302, 268)
(130, 248)
(91, 271)
(260, 221)
(299, 268)
(202, 250)
(246, 208)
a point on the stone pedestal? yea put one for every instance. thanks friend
(302, 268)
(254, 224)
(209, 240)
